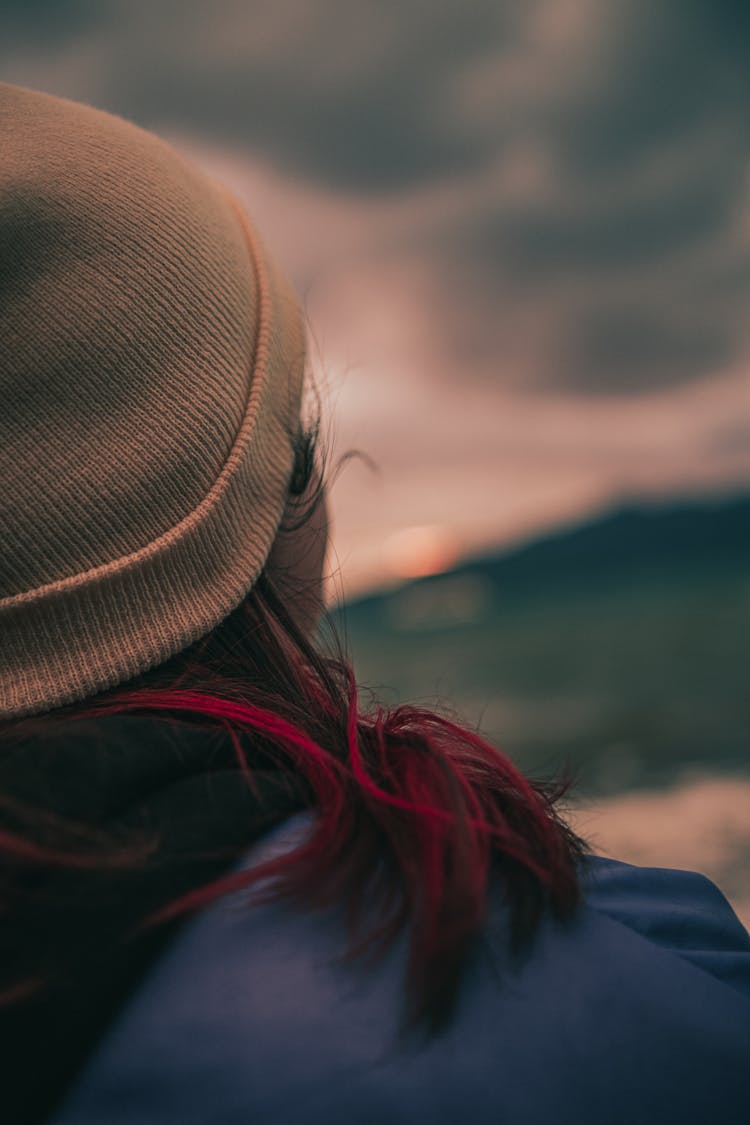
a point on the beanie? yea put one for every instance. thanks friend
(151, 371)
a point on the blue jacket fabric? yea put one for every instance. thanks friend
(638, 1011)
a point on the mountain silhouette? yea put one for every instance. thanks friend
(636, 540)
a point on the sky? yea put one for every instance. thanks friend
(520, 233)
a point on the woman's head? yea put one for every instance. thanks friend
(152, 359)
(164, 530)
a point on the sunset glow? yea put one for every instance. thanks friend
(419, 551)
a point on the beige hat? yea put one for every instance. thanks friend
(151, 371)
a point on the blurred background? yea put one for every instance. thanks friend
(521, 235)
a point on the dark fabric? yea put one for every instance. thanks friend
(118, 774)
(635, 1013)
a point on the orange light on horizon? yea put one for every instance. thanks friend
(417, 552)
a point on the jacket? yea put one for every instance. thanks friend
(638, 1011)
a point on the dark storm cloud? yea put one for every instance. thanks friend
(639, 349)
(679, 69)
(342, 93)
(641, 110)
(589, 232)
(355, 93)
(46, 22)
(652, 286)
(370, 140)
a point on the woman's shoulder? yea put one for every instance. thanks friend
(636, 1010)
(677, 910)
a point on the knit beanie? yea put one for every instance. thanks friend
(151, 371)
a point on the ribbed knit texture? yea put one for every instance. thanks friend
(151, 367)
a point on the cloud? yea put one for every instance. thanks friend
(335, 92)
(508, 222)
(47, 21)
(639, 349)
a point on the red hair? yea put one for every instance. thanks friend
(411, 807)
